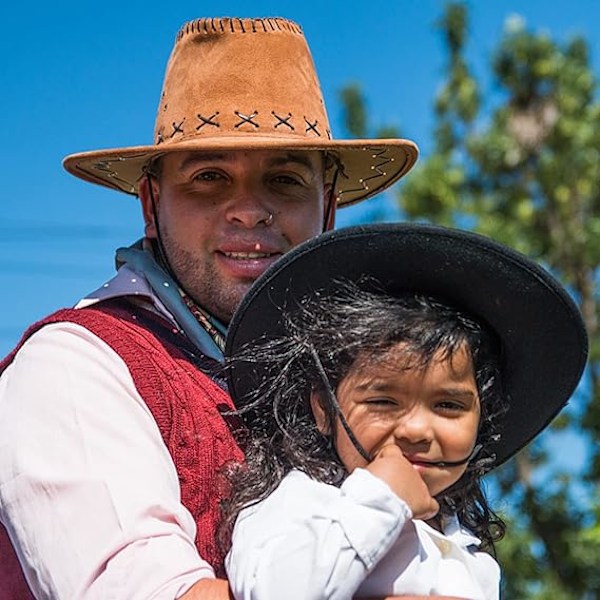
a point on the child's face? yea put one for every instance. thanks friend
(431, 413)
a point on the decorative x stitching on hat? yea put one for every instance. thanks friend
(243, 84)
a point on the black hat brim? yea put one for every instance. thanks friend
(544, 341)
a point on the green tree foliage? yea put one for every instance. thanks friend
(521, 163)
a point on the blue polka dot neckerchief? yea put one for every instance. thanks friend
(199, 331)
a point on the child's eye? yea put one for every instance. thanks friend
(380, 401)
(450, 406)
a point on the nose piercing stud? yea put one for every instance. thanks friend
(269, 220)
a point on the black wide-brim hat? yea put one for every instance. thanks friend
(544, 341)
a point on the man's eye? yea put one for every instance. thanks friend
(287, 180)
(207, 176)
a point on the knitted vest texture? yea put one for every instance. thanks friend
(185, 402)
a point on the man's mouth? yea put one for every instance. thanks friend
(248, 255)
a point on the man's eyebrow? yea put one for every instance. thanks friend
(301, 158)
(197, 157)
(293, 157)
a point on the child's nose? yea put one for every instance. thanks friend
(414, 428)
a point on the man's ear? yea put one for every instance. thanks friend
(147, 208)
(330, 206)
(319, 414)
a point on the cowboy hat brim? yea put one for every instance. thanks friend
(544, 341)
(367, 167)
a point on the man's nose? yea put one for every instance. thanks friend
(246, 208)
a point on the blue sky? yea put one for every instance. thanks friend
(81, 76)
(87, 75)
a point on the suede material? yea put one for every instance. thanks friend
(244, 84)
(241, 75)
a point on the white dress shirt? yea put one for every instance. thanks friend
(88, 488)
(309, 540)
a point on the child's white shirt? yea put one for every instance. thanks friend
(310, 540)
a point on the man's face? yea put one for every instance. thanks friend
(214, 216)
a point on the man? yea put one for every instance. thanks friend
(113, 423)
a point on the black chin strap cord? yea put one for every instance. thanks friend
(455, 463)
(332, 205)
(334, 401)
(161, 247)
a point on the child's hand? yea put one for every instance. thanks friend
(391, 466)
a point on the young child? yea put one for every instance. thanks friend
(381, 371)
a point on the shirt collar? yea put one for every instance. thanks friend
(452, 531)
(139, 275)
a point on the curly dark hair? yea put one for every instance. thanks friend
(339, 328)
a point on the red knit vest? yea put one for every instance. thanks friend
(186, 404)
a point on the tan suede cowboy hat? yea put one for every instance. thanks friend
(244, 84)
